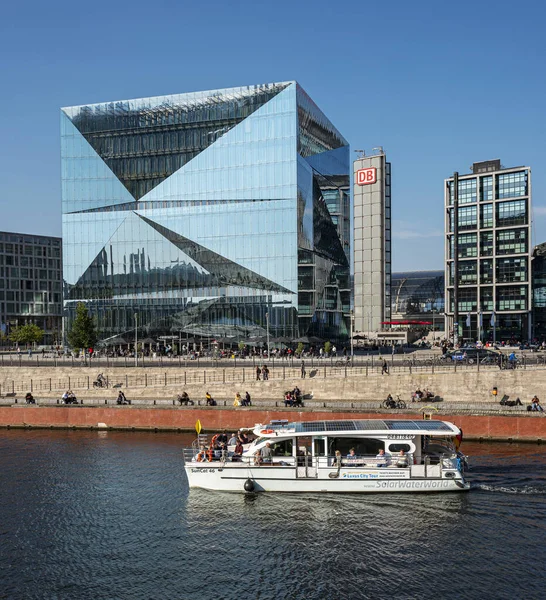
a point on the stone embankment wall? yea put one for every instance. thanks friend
(326, 383)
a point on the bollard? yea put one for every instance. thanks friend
(154, 402)
(15, 400)
(106, 401)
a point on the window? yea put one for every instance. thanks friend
(512, 298)
(486, 299)
(512, 185)
(486, 215)
(486, 188)
(467, 218)
(510, 270)
(468, 272)
(486, 244)
(486, 271)
(512, 213)
(468, 245)
(467, 300)
(512, 241)
(467, 191)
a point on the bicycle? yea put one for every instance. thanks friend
(390, 403)
(342, 362)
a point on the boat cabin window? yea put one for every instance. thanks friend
(362, 446)
(320, 445)
(398, 447)
(282, 448)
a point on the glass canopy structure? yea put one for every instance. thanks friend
(204, 214)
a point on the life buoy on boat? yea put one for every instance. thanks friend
(266, 431)
(200, 457)
(210, 454)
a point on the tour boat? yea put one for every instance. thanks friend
(373, 455)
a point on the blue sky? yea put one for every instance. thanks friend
(439, 85)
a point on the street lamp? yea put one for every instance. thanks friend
(352, 332)
(267, 328)
(136, 340)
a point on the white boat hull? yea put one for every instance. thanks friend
(232, 478)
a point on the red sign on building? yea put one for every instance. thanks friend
(366, 176)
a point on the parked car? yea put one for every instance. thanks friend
(471, 355)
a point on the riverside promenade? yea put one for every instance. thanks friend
(462, 394)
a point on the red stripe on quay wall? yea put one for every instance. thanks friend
(532, 427)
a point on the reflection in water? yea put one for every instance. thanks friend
(109, 515)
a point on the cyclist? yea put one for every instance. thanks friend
(512, 360)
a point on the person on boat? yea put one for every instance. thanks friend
(222, 437)
(243, 437)
(232, 440)
(383, 460)
(201, 456)
(266, 454)
(401, 460)
(352, 455)
(337, 459)
(238, 452)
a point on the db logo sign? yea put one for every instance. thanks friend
(366, 176)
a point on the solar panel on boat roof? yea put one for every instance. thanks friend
(370, 424)
(423, 425)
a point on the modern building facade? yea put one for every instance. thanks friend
(539, 291)
(372, 240)
(494, 252)
(31, 283)
(204, 214)
(418, 298)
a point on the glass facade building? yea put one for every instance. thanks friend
(206, 214)
(418, 295)
(31, 283)
(494, 252)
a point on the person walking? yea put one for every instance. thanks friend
(302, 369)
(258, 373)
(385, 368)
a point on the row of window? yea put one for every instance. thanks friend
(26, 239)
(26, 250)
(25, 308)
(40, 296)
(23, 284)
(511, 241)
(507, 298)
(507, 185)
(507, 214)
(508, 270)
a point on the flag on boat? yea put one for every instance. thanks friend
(493, 321)
(198, 426)
(468, 320)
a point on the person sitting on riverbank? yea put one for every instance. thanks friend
(122, 399)
(184, 399)
(535, 405)
(210, 400)
(237, 401)
(246, 400)
(29, 398)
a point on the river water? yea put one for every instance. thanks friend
(109, 515)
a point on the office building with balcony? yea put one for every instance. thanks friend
(31, 283)
(208, 214)
(492, 216)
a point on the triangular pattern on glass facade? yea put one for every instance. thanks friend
(252, 161)
(145, 141)
(87, 182)
(246, 232)
(227, 272)
(84, 236)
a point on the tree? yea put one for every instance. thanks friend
(83, 333)
(27, 334)
(299, 349)
(327, 348)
